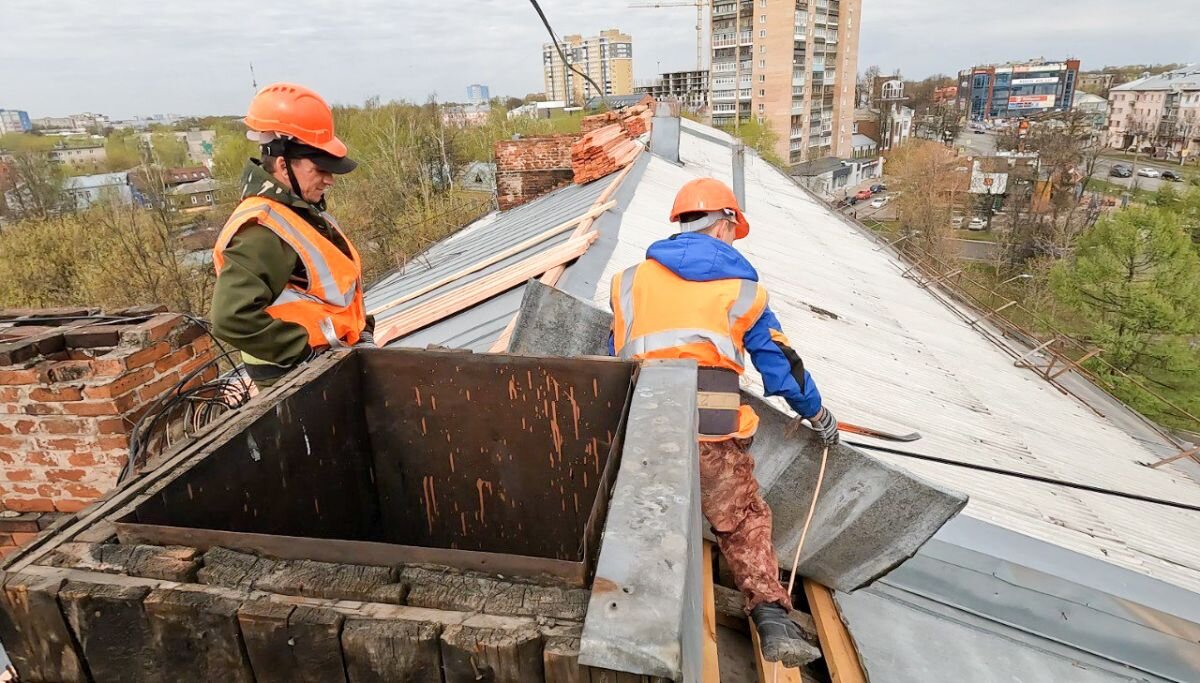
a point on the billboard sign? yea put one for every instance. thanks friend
(1047, 80)
(1026, 68)
(1032, 101)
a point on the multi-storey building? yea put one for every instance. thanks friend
(1160, 111)
(690, 88)
(14, 121)
(1013, 90)
(478, 94)
(790, 64)
(607, 59)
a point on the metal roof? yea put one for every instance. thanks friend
(477, 242)
(1186, 78)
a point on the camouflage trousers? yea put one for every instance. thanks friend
(741, 520)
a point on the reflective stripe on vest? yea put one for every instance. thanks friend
(666, 339)
(320, 272)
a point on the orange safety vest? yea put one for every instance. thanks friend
(659, 315)
(330, 306)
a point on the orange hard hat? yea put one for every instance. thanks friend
(297, 112)
(705, 195)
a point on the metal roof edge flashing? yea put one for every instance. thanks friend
(1058, 594)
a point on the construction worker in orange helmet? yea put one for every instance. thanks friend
(289, 281)
(696, 297)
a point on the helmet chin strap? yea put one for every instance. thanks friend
(281, 147)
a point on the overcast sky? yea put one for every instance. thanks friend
(138, 57)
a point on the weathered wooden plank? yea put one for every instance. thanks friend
(391, 651)
(170, 563)
(471, 653)
(442, 588)
(325, 580)
(111, 627)
(292, 643)
(224, 567)
(840, 655)
(710, 671)
(35, 633)
(196, 636)
(560, 660)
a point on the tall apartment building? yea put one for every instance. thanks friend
(791, 64)
(1004, 91)
(14, 121)
(690, 88)
(606, 58)
(478, 94)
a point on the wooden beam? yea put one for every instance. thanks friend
(429, 312)
(838, 648)
(492, 260)
(711, 671)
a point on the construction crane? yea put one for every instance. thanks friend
(699, 5)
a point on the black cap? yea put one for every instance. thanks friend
(323, 160)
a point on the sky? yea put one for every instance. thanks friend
(141, 57)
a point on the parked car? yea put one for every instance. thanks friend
(1149, 172)
(877, 188)
(1120, 171)
(878, 202)
(977, 223)
(1172, 176)
(957, 222)
(863, 195)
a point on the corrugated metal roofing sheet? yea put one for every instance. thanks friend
(898, 359)
(476, 243)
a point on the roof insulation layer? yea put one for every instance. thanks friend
(898, 359)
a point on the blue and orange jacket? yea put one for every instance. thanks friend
(699, 258)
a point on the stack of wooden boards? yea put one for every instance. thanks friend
(602, 152)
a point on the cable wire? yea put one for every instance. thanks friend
(562, 55)
(1028, 477)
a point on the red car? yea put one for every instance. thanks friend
(863, 194)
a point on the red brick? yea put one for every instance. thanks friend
(6, 540)
(65, 443)
(23, 537)
(113, 425)
(7, 457)
(42, 458)
(25, 426)
(152, 330)
(30, 504)
(68, 505)
(174, 359)
(45, 408)
(147, 355)
(5, 551)
(22, 490)
(18, 475)
(13, 443)
(65, 371)
(82, 491)
(121, 385)
(110, 407)
(5, 429)
(27, 521)
(13, 376)
(10, 394)
(48, 395)
(66, 475)
(64, 425)
(109, 443)
(81, 460)
(158, 387)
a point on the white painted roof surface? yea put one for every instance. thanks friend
(898, 359)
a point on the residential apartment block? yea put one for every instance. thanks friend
(607, 59)
(1013, 90)
(791, 64)
(1162, 112)
(690, 88)
(478, 94)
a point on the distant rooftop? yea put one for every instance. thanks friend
(1185, 78)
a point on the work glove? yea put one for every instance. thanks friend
(366, 340)
(826, 426)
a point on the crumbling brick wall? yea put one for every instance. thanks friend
(530, 167)
(70, 393)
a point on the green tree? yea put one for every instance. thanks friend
(1134, 282)
(168, 150)
(121, 151)
(34, 183)
(760, 137)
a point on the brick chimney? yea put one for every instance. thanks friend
(530, 167)
(70, 393)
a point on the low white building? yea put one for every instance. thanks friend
(1094, 107)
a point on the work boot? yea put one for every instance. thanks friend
(780, 638)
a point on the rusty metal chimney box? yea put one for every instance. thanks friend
(487, 462)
